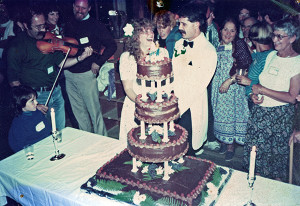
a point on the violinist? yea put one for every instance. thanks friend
(81, 80)
(28, 66)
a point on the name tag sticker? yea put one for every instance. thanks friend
(50, 70)
(273, 70)
(40, 126)
(84, 40)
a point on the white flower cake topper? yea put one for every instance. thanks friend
(128, 30)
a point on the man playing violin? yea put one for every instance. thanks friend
(28, 66)
(81, 83)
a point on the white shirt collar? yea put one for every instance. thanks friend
(86, 17)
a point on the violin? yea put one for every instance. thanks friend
(51, 43)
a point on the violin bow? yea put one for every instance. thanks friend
(60, 69)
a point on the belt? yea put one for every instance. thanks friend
(42, 89)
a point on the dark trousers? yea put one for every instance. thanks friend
(210, 130)
(186, 122)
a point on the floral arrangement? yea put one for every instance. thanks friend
(156, 133)
(128, 30)
(155, 171)
(180, 49)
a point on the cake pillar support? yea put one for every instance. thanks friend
(166, 173)
(152, 86)
(143, 130)
(134, 167)
(144, 91)
(168, 87)
(165, 139)
(172, 126)
(159, 91)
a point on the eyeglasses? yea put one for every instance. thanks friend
(39, 27)
(279, 36)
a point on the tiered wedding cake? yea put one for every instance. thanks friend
(152, 170)
(157, 139)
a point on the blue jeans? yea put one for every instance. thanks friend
(57, 102)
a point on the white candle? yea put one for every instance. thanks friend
(252, 162)
(52, 114)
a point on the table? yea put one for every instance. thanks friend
(42, 182)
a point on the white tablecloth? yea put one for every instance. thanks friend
(43, 182)
(266, 192)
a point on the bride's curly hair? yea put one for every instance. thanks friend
(132, 44)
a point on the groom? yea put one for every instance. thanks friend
(194, 64)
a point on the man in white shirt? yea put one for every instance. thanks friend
(194, 64)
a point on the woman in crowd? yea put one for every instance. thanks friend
(52, 20)
(229, 102)
(271, 120)
(139, 44)
(261, 36)
(168, 32)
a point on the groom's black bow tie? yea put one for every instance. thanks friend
(185, 43)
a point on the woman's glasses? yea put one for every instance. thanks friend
(279, 36)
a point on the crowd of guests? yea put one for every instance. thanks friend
(252, 87)
(236, 83)
(25, 64)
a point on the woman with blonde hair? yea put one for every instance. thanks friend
(261, 36)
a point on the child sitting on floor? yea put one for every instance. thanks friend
(30, 125)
